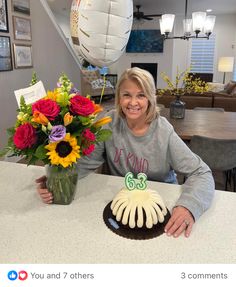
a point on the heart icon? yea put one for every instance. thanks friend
(23, 275)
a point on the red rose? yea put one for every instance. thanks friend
(88, 150)
(48, 108)
(25, 136)
(81, 106)
(88, 135)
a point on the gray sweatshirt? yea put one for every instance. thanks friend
(158, 154)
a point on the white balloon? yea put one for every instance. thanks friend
(74, 18)
(100, 29)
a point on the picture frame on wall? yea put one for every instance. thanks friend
(145, 41)
(21, 6)
(5, 54)
(22, 28)
(3, 16)
(23, 56)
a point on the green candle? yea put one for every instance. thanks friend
(142, 181)
(131, 184)
(129, 181)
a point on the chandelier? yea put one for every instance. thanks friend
(200, 22)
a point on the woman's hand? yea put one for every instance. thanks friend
(181, 220)
(45, 195)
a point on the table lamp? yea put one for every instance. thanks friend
(225, 64)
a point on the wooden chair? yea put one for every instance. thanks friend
(218, 154)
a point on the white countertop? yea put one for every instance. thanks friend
(33, 232)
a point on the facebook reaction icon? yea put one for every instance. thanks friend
(12, 275)
(23, 275)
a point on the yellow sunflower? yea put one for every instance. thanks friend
(63, 152)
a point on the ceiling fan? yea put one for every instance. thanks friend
(139, 15)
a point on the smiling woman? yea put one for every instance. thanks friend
(144, 142)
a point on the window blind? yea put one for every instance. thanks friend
(234, 74)
(202, 55)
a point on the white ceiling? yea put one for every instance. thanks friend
(163, 6)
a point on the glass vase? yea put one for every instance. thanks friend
(61, 182)
(177, 108)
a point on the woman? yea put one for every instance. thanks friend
(143, 141)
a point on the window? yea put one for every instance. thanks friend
(234, 73)
(202, 55)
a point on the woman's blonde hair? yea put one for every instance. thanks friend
(146, 82)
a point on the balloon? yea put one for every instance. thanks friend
(100, 29)
(74, 18)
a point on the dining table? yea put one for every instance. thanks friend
(208, 123)
(34, 232)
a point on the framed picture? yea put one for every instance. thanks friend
(145, 41)
(23, 56)
(5, 54)
(3, 16)
(21, 6)
(22, 28)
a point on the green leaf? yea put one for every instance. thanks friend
(40, 152)
(32, 160)
(22, 102)
(63, 99)
(84, 120)
(11, 131)
(3, 152)
(34, 79)
(103, 135)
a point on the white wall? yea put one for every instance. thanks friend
(50, 58)
(225, 30)
(164, 59)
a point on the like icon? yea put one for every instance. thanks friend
(22, 275)
(12, 275)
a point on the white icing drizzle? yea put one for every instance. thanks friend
(127, 202)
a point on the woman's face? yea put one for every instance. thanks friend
(133, 101)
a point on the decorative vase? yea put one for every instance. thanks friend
(61, 182)
(177, 108)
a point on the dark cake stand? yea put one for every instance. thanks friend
(132, 233)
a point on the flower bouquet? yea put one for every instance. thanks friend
(57, 129)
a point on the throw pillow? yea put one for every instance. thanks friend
(99, 83)
(229, 87)
(215, 87)
(233, 93)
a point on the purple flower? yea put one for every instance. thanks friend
(57, 133)
(74, 91)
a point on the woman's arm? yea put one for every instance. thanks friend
(199, 187)
(88, 164)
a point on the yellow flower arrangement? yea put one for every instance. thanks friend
(184, 83)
